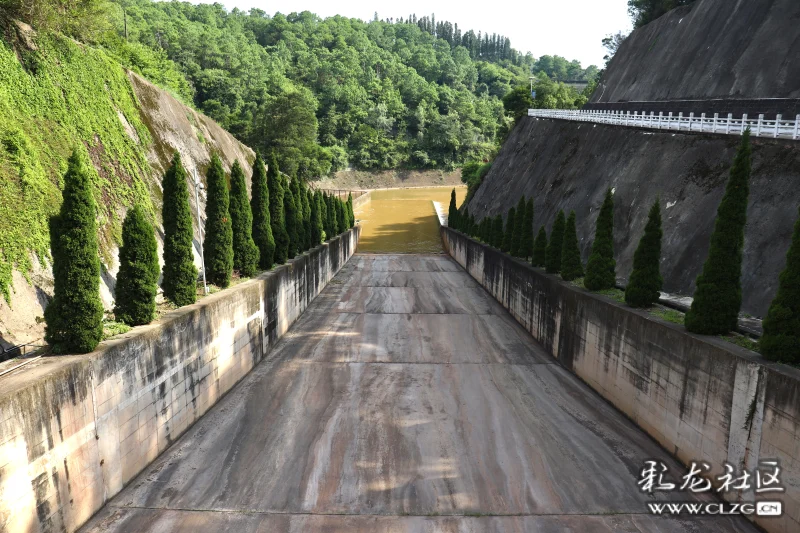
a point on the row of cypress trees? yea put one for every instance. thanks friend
(282, 219)
(717, 299)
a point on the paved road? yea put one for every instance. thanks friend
(405, 399)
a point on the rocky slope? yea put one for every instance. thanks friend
(56, 94)
(728, 49)
(568, 165)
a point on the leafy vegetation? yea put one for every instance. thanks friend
(540, 248)
(245, 251)
(218, 235)
(571, 266)
(180, 275)
(259, 207)
(553, 254)
(601, 267)
(644, 287)
(645, 11)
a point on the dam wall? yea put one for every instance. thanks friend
(701, 398)
(74, 430)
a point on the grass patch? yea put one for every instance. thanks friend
(112, 328)
(670, 315)
(618, 295)
(743, 341)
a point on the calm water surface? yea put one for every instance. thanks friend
(403, 220)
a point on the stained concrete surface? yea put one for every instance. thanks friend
(386, 409)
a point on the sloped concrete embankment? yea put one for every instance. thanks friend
(76, 429)
(569, 165)
(701, 398)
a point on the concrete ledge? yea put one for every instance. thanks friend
(701, 398)
(74, 430)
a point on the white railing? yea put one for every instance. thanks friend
(759, 127)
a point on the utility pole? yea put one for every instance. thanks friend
(199, 185)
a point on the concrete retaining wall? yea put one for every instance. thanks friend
(701, 398)
(362, 200)
(74, 430)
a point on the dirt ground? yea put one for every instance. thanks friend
(359, 179)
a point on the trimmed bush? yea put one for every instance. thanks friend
(553, 255)
(508, 234)
(290, 213)
(179, 280)
(277, 217)
(526, 243)
(330, 227)
(245, 251)
(317, 231)
(137, 280)
(539, 257)
(600, 269)
(781, 338)
(218, 243)
(645, 284)
(452, 211)
(571, 267)
(74, 318)
(718, 293)
(519, 227)
(497, 231)
(351, 216)
(259, 207)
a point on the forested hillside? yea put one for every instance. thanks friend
(325, 94)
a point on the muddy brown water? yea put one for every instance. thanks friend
(403, 220)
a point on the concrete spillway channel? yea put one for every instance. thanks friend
(404, 399)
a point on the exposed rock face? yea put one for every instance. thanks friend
(712, 49)
(569, 165)
(173, 127)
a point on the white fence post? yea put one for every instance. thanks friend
(744, 121)
(758, 127)
(777, 125)
(728, 127)
(716, 117)
(669, 120)
(691, 118)
(796, 126)
(702, 121)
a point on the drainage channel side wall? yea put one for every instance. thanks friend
(74, 430)
(701, 398)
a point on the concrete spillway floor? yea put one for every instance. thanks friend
(405, 399)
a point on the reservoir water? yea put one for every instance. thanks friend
(403, 220)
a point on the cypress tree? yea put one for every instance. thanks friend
(526, 242)
(519, 227)
(540, 249)
(781, 338)
(497, 231)
(290, 213)
(179, 279)
(645, 283)
(245, 251)
(323, 214)
(463, 221)
(276, 213)
(600, 269)
(308, 199)
(553, 254)
(718, 293)
(571, 267)
(259, 207)
(452, 210)
(218, 243)
(317, 230)
(330, 228)
(303, 207)
(137, 281)
(508, 234)
(341, 224)
(473, 226)
(74, 318)
(351, 216)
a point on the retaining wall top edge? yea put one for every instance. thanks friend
(51, 366)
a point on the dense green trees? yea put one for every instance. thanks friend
(245, 251)
(276, 212)
(540, 249)
(137, 280)
(74, 316)
(553, 254)
(325, 94)
(259, 207)
(781, 338)
(180, 275)
(218, 241)
(497, 231)
(718, 293)
(644, 11)
(571, 266)
(601, 267)
(644, 286)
